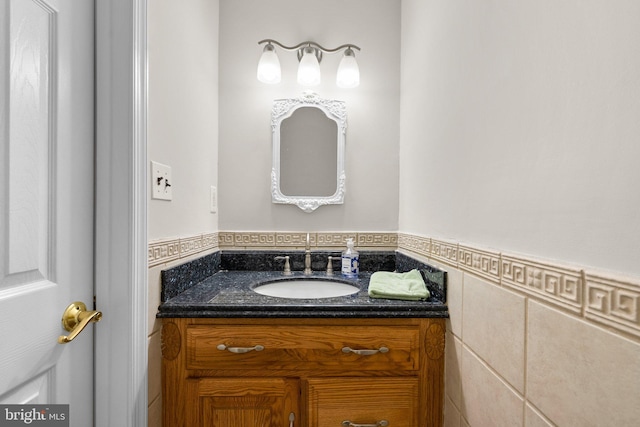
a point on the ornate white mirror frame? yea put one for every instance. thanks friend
(334, 110)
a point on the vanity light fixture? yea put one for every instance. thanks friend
(269, 66)
(309, 56)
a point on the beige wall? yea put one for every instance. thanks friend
(182, 133)
(371, 199)
(518, 130)
(183, 112)
(519, 127)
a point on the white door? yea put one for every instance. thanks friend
(46, 201)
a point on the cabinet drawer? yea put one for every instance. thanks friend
(302, 347)
(368, 401)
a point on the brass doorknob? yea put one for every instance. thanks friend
(75, 318)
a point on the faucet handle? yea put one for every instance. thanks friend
(287, 266)
(330, 266)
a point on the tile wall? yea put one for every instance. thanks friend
(163, 254)
(529, 342)
(535, 343)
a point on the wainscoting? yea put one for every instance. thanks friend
(530, 342)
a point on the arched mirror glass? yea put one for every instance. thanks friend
(308, 151)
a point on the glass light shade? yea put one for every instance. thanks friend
(309, 68)
(269, 66)
(348, 75)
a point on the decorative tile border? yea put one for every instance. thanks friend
(377, 240)
(417, 244)
(296, 239)
(332, 240)
(481, 262)
(444, 251)
(596, 297)
(254, 240)
(613, 302)
(558, 285)
(167, 250)
(163, 251)
(225, 238)
(190, 246)
(609, 301)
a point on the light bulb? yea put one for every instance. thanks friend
(309, 68)
(269, 66)
(348, 75)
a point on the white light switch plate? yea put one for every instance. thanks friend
(161, 181)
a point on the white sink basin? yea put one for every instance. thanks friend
(304, 289)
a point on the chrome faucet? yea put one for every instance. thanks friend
(287, 266)
(307, 257)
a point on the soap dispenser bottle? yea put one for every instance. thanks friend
(350, 261)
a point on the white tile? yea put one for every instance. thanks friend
(532, 418)
(155, 413)
(155, 367)
(452, 364)
(486, 399)
(154, 298)
(451, 414)
(493, 326)
(579, 374)
(454, 300)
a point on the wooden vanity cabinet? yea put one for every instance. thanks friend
(249, 402)
(302, 372)
(331, 401)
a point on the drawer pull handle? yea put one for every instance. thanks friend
(239, 350)
(365, 352)
(381, 423)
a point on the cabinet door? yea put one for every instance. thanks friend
(244, 402)
(337, 402)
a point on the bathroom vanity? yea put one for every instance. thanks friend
(233, 357)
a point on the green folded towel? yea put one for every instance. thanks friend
(405, 286)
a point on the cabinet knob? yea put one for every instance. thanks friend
(365, 352)
(381, 423)
(239, 350)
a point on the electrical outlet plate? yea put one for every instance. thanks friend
(161, 181)
(213, 200)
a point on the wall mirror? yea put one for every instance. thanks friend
(308, 151)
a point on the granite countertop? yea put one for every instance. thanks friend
(220, 285)
(229, 294)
